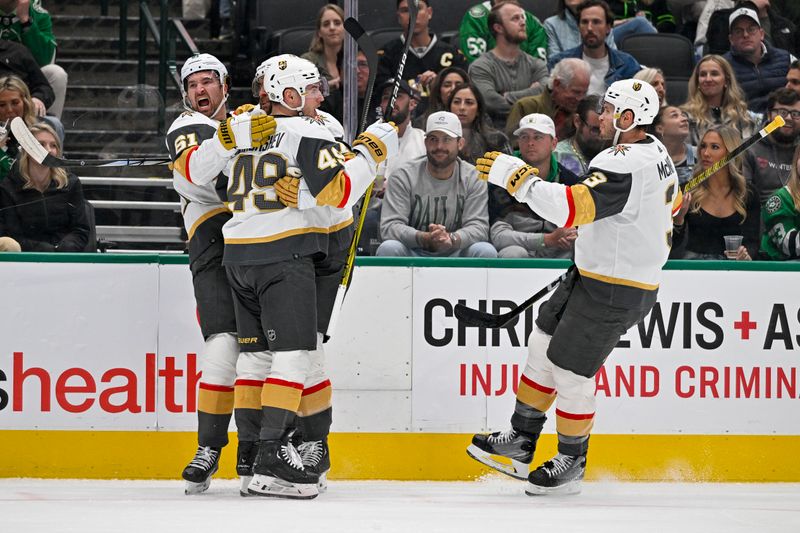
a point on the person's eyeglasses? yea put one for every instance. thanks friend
(786, 113)
(362, 64)
(594, 130)
(750, 30)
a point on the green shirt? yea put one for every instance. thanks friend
(781, 223)
(475, 37)
(37, 37)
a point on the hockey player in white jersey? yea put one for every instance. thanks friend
(199, 144)
(273, 254)
(623, 210)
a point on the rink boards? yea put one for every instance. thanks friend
(99, 365)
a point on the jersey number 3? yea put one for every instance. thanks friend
(254, 177)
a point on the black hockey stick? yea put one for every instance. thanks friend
(368, 47)
(695, 181)
(482, 319)
(40, 154)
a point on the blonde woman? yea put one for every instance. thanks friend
(326, 52)
(781, 214)
(724, 204)
(655, 77)
(716, 98)
(42, 209)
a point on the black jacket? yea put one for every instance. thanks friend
(439, 56)
(53, 221)
(16, 59)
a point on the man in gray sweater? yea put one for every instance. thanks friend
(435, 205)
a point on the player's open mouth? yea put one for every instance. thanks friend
(203, 102)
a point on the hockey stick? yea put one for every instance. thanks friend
(482, 319)
(358, 33)
(695, 181)
(40, 154)
(475, 317)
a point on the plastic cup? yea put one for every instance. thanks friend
(732, 244)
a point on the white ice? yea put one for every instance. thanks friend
(488, 506)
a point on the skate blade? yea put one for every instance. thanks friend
(193, 488)
(516, 469)
(273, 487)
(572, 487)
(244, 481)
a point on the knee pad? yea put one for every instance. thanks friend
(219, 359)
(292, 366)
(316, 369)
(538, 364)
(575, 405)
(253, 366)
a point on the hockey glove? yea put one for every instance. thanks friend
(246, 131)
(379, 141)
(292, 192)
(508, 172)
(244, 108)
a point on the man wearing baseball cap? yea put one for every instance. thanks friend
(516, 230)
(759, 68)
(435, 205)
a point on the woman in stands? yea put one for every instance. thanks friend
(724, 204)
(781, 214)
(672, 126)
(467, 104)
(16, 101)
(326, 52)
(716, 98)
(42, 209)
(441, 89)
(655, 77)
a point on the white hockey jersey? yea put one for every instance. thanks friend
(624, 208)
(262, 229)
(195, 159)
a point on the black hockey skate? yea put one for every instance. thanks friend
(560, 475)
(245, 457)
(279, 473)
(198, 472)
(316, 459)
(514, 446)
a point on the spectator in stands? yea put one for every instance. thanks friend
(567, 85)
(476, 36)
(479, 137)
(759, 67)
(440, 92)
(715, 98)
(687, 13)
(326, 52)
(426, 57)
(574, 153)
(767, 164)
(42, 209)
(781, 216)
(607, 64)
(655, 77)
(629, 18)
(505, 73)
(16, 101)
(28, 23)
(793, 76)
(562, 29)
(17, 60)
(518, 231)
(436, 205)
(722, 205)
(671, 125)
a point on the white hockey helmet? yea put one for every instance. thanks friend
(258, 79)
(201, 62)
(638, 96)
(288, 71)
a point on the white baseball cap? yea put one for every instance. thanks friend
(743, 12)
(444, 121)
(539, 122)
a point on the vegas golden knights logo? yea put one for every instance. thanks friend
(282, 64)
(637, 86)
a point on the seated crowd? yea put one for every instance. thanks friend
(517, 85)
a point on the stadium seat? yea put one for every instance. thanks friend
(381, 36)
(672, 53)
(291, 40)
(450, 37)
(677, 90)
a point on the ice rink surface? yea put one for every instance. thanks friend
(491, 505)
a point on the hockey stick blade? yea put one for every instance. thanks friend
(364, 41)
(482, 319)
(39, 153)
